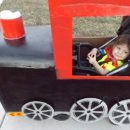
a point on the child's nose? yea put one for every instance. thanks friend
(120, 51)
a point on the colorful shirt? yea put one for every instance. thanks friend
(106, 62)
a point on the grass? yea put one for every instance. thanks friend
(35, 12)
(96, 26)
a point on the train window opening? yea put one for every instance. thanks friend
(98, 49)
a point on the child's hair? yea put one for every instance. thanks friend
(123, 39)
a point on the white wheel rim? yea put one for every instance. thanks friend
(37, 110)
(120, 114)
(89, 110)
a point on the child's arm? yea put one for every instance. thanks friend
(100, 69)
(92, 60)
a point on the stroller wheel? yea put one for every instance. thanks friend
(37, 110)
(88, 110)
(120, 114)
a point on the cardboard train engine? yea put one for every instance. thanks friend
(39, 79)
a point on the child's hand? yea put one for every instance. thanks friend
(92, 59)
(93, 52)
(92, 56)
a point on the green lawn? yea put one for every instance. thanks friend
(96, 26)
(35, 12)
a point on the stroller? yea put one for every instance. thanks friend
(80, 51)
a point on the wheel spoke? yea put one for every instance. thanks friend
(40, 116)
(45, 115)
(34, 105)
(122, 120)
(78, 111)
(90, 105)
(87, 117)
(29, 109)
(129, 118)
(126, 107)
(95, 117)
(46, 111)
(81, 115)
(80, 104)
(100, 105)
(119, 111)
(43, 105)
(118, 116)
(34, 116)
(29, 113)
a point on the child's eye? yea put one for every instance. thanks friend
(126, 52)
(118, 48)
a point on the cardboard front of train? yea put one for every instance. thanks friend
(62, 13)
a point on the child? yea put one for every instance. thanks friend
(112, 56)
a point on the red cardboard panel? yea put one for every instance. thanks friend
(61, 15)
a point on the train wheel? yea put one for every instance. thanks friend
(88, 110)
(37, 110)
(120, 114)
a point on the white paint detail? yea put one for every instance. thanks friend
(2, 113)
(37, 110)
(95, 110)
(120, 114)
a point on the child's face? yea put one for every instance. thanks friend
(120, 52)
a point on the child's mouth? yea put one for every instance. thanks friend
(118, 56)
